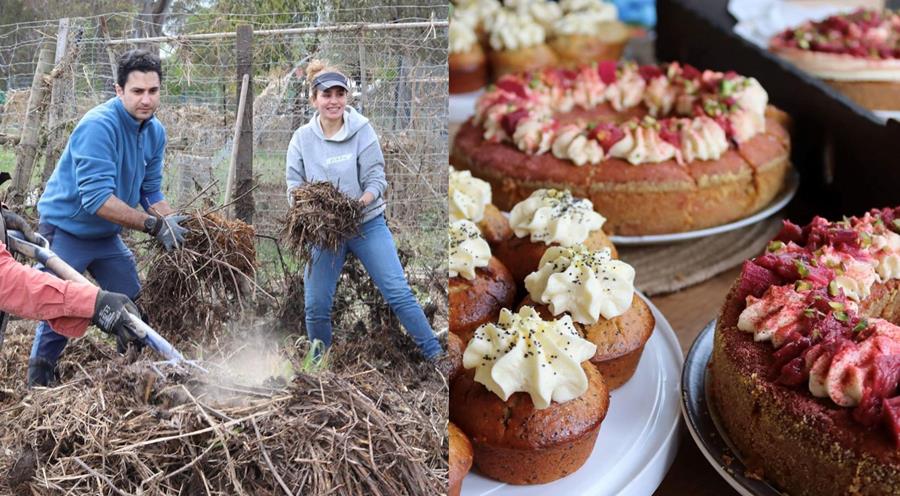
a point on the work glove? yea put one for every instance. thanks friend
(168, 232)
(111, 315)
(16, 223)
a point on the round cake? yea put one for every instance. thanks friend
(857, 53)
(657, 149)
(806, 360)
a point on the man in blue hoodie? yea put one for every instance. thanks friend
(112, 162)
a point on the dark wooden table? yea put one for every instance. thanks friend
(688, 311)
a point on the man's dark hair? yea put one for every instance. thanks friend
(137, 60)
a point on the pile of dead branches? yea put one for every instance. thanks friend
(198, 287)
(129, 429)
(321, 217)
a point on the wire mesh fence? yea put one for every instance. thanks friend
(396, 56)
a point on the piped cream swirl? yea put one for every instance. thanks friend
(468, 196)
(524, 353)
(554, 216)
(585, 284)
(468, 250)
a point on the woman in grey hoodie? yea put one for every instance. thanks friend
(338, 145)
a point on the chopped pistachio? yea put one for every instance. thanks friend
(775, 246)
(802, 269)
(841, 316)
(727, 87)
(865, 240)
(833, 288)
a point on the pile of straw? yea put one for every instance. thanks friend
(123, 429)
(321, 217)
(198, 287)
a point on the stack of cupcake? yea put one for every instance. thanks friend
(545, 324)
(488, 40)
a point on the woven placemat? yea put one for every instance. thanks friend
(667, 268)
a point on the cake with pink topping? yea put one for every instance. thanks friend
(657, 149)
(857, 53)
(806, 361)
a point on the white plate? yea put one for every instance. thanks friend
(787, 193)
(462, 106)
(638, 439)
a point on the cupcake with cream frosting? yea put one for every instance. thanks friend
(470, 199)
(518, 44)
(549, 217)
(466, 60)
(479, 285)
(529, 401)
(589, 31)
(598, 293)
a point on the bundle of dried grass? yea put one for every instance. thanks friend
(119, 429)
(321, 217)
(190, 292)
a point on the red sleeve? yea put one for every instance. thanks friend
(32, 294)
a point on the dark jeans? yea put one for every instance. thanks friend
(376, 250)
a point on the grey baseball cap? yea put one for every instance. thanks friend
(330, 80)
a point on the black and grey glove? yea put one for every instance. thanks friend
(167, 230)
(16, 223)
(111, 315)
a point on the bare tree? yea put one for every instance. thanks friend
(150, 20)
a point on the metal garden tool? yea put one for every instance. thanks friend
(42, 253)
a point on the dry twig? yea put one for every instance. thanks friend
(321, 217)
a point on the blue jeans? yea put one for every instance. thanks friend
(110, 263)
(376, 250)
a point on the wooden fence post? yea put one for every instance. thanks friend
(113, 66)
(27, 150)
(62, 90)
(243, 206)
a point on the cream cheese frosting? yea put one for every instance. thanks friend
(702, 139)
(572, 144)
(462, 37)
(660, 97)
(555, 216)
(627, 91)
(585, 284)
(524, 353)
(692, 115)
(585, 22)
(512, 31)
(534, 135)
(643, 144)
(467, 196)
(542, 12)
(468, 249)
